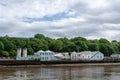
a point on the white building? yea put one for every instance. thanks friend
(115, 56)
(87, 55)
(62, 55)
(40, 55)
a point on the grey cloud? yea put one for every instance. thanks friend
(99, 22)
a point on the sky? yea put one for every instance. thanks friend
(92, 19)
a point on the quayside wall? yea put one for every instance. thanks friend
(33, 62)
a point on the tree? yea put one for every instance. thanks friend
(105, 41)
(106, 49)
(93, 47)
(9, 46)
(30, 51)
(79, 39)
(12, 53)
(39, 36)
(5, 54)
(70, 48)
(55, 45)
(1, 46)
(82, 45)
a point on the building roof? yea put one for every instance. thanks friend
(40, 51)
(59, 55)
(48, 51)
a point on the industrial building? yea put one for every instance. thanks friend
(51, 56)
(40, 55)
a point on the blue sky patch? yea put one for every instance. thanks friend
(55, 17)
(2, 4)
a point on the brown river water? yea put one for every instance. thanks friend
(61, 73)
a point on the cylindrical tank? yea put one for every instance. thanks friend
(25, 52)
(19, 52)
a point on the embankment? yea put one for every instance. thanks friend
(32, 63)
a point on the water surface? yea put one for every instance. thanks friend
(61, 73)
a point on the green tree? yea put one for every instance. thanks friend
(55, 45)
(105, 41)
(12, 53)
(9, 46)
(5, 54)
(30, 51)
(1, 46)
(70, 48)
(93, 47)
(79, 39)
(107, 50)
(82, 45)
(39, 36)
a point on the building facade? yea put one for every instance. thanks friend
(64, 55)
(115, 56)
(87, 55)
(40, 55)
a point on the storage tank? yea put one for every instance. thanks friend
(19, 52)
(25, 52)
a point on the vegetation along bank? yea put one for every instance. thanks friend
(9, 45)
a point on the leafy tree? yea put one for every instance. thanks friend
(105, 41)
(5, 54)
(106, 49)
(70, 48)
(79, 39)
(93, 47)
(1, 46)
(30, 51)
(12, 53)
(9, 46)
(39, 36)
(82, 45)
(55, 45)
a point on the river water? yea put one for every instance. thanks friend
(61, 73)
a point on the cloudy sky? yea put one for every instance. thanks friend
(92, 19)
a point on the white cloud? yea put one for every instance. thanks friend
(88, 18)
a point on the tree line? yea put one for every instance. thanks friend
(9, 45)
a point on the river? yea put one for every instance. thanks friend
(61, 73)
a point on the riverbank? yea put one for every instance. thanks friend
(66, 65)
(33, 63)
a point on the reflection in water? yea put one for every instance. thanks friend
(61, 73)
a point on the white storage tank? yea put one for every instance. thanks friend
(19, 52)
(25, 52)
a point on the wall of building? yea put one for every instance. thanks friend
(98, 56)
(87, 56)
(40, 55)
(47, 56)
(76, 56)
